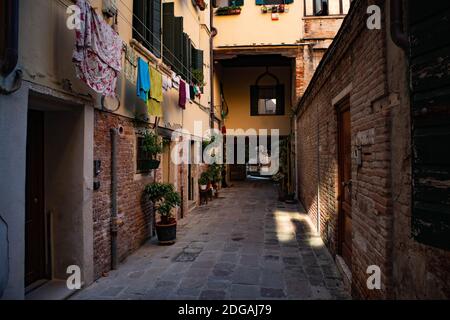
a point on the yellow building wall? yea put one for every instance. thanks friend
(236, 85)
(252, 27)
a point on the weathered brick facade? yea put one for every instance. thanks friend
(365, 66)
(134, 212)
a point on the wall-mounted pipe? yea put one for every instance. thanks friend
(211, 65)
(399, 37)
(114, 222)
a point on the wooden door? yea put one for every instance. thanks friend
(35, 252)
(345, 183)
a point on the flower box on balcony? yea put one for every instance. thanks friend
(227, 11)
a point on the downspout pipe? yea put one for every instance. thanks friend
(10, 56)
(398, 36)
(211, 63)
(114, 222)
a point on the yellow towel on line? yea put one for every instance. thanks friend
(156, 91)
(154, 108)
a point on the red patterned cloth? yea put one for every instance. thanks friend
(98, 52)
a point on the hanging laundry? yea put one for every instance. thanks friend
(197, 91)
(192, 92)
(130, 64)
(98, 51)
(182, 95)
(175, 80)
(188, 92)
(156, 94)
(166, 84)
(143, 80)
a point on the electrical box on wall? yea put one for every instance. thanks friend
(110, 8)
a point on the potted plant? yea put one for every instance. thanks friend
(151, 146)
(279, 180)
(198, 77)
(203, 181)
(264, 9)
(215, 175)
(165, 199)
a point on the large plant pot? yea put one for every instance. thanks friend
(150, 164)
(167, 233)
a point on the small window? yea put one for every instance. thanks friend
(147, 24)
(141, 157)
(267, 100)
(320, 7)
(228, 3)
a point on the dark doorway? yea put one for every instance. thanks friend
(35, 228)
(345, 182)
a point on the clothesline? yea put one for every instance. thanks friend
(142, 37)
(162, 44)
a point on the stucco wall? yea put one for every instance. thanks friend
(236, 86)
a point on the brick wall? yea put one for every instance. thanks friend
(321, 27)
(359, 61)
(134, 211)
(375, 70)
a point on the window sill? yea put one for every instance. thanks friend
(330, 16)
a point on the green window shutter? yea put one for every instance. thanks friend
(288, 1)
(138, 19)
(253, 100)
(156, 27)
(280, 100)
(259, 2)
(178, 44)
(239, 3)
(168, 33)
(186, 57)
(430, 105)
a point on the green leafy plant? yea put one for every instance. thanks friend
(165, 198)
(228, 10)
(206, 143)
(151, 144)
(204, 179)
(198, 77)
(215, 172)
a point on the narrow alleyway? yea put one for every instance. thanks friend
(244, 245)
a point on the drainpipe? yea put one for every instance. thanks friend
(9, 58)
(398, 35)
(211, 63)
(114, 223)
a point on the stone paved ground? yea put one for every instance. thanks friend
(245, 245)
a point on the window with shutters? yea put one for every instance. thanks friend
(197, 66)
(147, 24)
(229, 3)
(271, 2)
(178, 50)
(267, 100)
(430, 113)
(326, 7)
